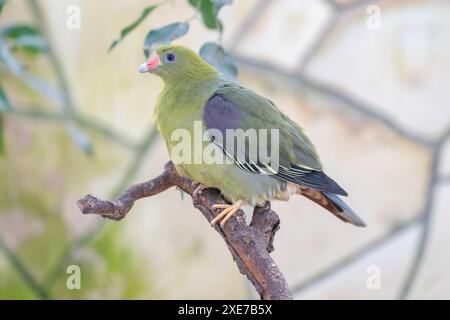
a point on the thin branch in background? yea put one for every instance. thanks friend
(39, 18)
(36, 114)
(334, 93)
(23, 271)
(67, 105)
(365, 109)
(444, 180)
(325, 31)
(323, 35)
(423, 241)
(350, 5)
(426, 218)
(356, 256)
(67, 254)
(136, 164)
(368, 111)
(331, 3)
(255, 13)
(338, 9)
(18, 71)
(382, 119)
(106, 131)
(33, 114)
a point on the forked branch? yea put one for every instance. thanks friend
(250, 245)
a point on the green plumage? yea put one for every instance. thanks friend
(191, 85)
(181, 104)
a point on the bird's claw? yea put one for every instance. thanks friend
(228, 211)
(198, 190)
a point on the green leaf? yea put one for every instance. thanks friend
(2, 2)
(25, 37)
(208, 11)
(132, 26)
(215, 55)
(14, 31)
(164, 35)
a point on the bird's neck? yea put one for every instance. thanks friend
(193, 88)
(181, 103)
(188, 81)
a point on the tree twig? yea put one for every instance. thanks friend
(36, 114)
(250, 245)
(426, 217)
(24, 271)
(304, 81)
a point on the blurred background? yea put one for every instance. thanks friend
(368, 81)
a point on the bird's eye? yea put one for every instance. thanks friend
(170, 58)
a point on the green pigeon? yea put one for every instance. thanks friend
(195, 93)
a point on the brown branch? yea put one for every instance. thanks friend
(250, 245)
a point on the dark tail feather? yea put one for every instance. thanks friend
(332, 203)
(345, 213)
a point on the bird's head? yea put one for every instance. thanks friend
(177, 63)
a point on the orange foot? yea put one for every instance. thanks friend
(228, 211)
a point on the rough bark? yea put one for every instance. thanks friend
(250, 245)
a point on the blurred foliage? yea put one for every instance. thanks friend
(164, 35)
(33, 261)
(209, 10)
(24, 37)
(218, 57)
(37, 263)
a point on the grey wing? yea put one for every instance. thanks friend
(223, 111)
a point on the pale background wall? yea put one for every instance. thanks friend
(375, 102)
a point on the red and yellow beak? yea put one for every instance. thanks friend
(152, 63)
